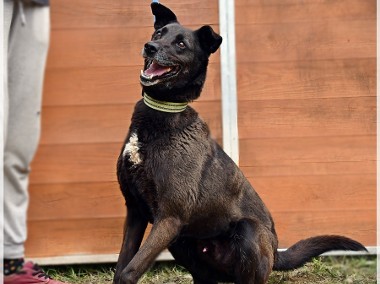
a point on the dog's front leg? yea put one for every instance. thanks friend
(134, 229)
(162, 233)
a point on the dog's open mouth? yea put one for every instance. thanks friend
(155, 72)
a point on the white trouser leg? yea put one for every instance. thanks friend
(27, 51)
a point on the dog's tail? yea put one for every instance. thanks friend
(303, 251)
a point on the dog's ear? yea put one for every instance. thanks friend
(163, 15)
(209, 40)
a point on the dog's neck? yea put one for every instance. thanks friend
(163, 106)
(150, 123)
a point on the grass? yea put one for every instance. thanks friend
(323, 270)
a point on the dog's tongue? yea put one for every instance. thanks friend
(156, 70)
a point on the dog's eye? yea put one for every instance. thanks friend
(181, 45)
(157, 34)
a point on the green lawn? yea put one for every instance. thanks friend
(323, 270)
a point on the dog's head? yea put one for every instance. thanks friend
(176, 58)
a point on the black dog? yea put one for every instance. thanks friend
(172, 174)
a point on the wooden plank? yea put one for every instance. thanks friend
(90, 48)
(317, 168)
(313, 193)
(90, 86)
(309, 117)
(280, 194)
(85, 124)
(294, 226)
(307, 79)
(86, 200)
(294, 11)
(83, 236)
(313, 41)
(108, 85)
(104, 236)
(309, 152)
(106, 123)
(71, 163)
(72, 14)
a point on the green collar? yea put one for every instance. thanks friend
(164, 106)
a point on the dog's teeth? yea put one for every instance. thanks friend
(142, 73)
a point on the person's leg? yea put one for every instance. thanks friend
(7, 20)
(27, 43)
(27, 52)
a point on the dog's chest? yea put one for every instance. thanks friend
(134, 177)
(132, 150)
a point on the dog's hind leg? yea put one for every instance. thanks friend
(254, 249)
(184, 251)
(260, 276)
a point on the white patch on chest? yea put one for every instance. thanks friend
(132, 149)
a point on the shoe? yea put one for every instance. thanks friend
(30, 274)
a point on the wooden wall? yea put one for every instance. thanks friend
(307, 116)
(307, 113)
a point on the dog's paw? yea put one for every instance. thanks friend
(117, 280)
(127, 278)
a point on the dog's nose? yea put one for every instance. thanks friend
(150, 48)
